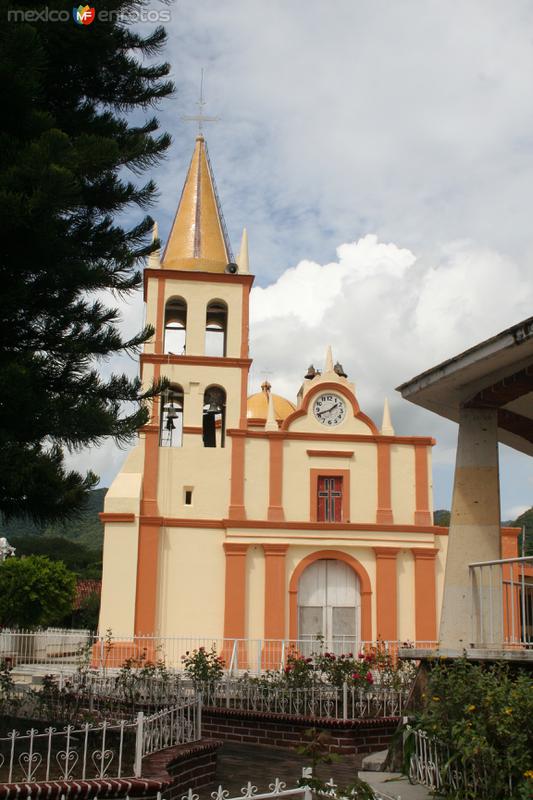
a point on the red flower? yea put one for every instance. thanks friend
(356, 676)
(369, 677)
(202, 649)
(361, 655)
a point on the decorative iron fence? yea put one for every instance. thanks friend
(433, 764)
(67, 649)
(326, 702)
(502, 603)
(104, 750)
(246, 694)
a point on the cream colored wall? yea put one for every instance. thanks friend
(204, 469)
(150, 310)
(117, 609)
(403, 496)
(406, 596)
(256, 483)
(191, 582)
(255, 592)
(296, 477)
(197, 295)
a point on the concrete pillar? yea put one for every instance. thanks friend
(475, 522)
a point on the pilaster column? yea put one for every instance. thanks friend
(275, 502)
(386, 593)
(422, 512)
(275, 593)
(474, 526)
(384, 509)
(425, 594)
(235, 590)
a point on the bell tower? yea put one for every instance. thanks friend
(197, 299)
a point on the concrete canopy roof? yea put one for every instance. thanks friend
(497, 373)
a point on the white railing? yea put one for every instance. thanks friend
(326, 702)
(279, 788)
(64, 650)
(105, 750)
(319, 700)
(434, 765)
(502, 603)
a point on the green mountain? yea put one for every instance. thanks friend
(85, 529)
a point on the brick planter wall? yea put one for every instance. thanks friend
(284, 730)
(186, 766)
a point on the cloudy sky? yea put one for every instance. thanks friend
(380, 155)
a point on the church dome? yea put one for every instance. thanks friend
(257, 405)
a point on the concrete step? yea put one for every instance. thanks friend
(374, 762)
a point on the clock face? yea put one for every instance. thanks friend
(329, 409)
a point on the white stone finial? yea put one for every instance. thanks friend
(154, 259)
(386, 425)
(242, 258)
(271, 423)
(329, 360)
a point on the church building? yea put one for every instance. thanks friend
(257, 517)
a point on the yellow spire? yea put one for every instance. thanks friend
(197, 238)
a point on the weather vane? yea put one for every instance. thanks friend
(200, 118)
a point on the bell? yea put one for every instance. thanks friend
(212, 408)
(339, 370)
(170, 424)
(172, 411)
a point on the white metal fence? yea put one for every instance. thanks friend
(502, 603)
(435, 765)
(105, 750)
(64, 649)
(320, 700)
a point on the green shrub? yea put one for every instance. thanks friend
(485, 715)
(34, 592)
(203, 666)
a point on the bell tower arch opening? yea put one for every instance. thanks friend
(175, 326)
(214, 417)
(171, 417)
(216, 326)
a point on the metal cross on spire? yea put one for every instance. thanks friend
(200, 118)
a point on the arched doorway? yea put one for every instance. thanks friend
(329, 605)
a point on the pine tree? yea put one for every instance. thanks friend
(78, 129)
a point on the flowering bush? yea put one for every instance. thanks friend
(485, 715)
(203, 666)
(299, 671)
(345, 668)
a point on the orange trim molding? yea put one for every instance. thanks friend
(245, 326)
(425, 594)
(330, 453)
(386, 593)
(201, 361)
(384, 508)
(192, 429)
(275, 590)
(235, 590)
(110, 516)
(275, 500)
(333, 437)
(314, 475)
(329, 386)
(422, 513)
(365, 590)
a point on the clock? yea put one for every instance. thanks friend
(329, 409)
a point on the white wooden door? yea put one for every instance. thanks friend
(329, 604)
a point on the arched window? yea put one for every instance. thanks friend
(329, 605)
(216, 323)
(214, 417)
(171, 418)
(175, 326)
